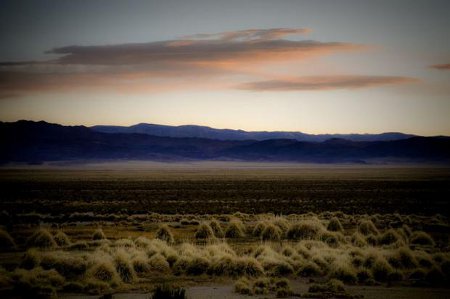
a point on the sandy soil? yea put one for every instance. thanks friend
(221, 291)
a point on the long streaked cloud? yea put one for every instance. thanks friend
(443, 67)
(207, 61)
(324, 83)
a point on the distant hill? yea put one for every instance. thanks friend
(36, 142)
(227, 134)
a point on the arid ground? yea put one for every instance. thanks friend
(224, 230)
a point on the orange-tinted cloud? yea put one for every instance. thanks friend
(324, 83)
(444, 67)
(145, 66)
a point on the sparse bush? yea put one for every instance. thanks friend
(204, 231)
(306, 229)
(333, 286)
(258, 229)
(235, 230)
(217, 228)
(62, 239)
(98, 235)
(335, 225)
(243, 286)
(6, 241)
(309, 269)
(103, 269)
(343, 271)
(422, 238)
(271, 232)
(165, 234)
(67, 264)
(358, 240)
(159, 264)
(390, 237)
(42, 239)
(381, 270)
(124, 267)
(366, 227)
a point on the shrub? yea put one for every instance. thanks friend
(62, 239)
(309, 269)
(165, 234)
(103, 270)
(217, 228)
(390, 237)
(235, 230)
(271, 232)
(6, 241)
(204, 231)
(306, 229)
(67, 264)
(381, 270)
(242, 286)
(140, 264)
(358, 240)
(197, 266)
(98, 235)
(42, 239)
(124, 267)
(159, 264)
(335, 225)
(261, 286)
(343, 271)
(366, 227)
(422, 238)
(402, 258)
(258, 229)
(168, 292)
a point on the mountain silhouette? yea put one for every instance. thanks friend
(36, 142)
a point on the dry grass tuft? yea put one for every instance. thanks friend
(62, 239)
(366, 227)
(271, 232)
(42, 239)
(98, 235)
(235, 229)
(335, 225)
(217, 228)
(204, 232)
(243, 286)
(305, 230)
(123, 266)
(422, 238)
(164, 234)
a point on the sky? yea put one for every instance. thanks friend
(311, 66)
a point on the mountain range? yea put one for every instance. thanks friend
(37, 142)
(227, 134)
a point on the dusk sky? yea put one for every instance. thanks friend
(311, 66)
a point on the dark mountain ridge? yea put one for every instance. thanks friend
(228, 134)
(34, 142)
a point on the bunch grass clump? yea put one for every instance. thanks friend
(422, 238)
(204, 232)
(98, 235)
(335, 225)
(366, 227)
(235, 229)
(271, 233)
(217, 228)
(164, 234)
(62, 239)
(305, 230)
(41, 238)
